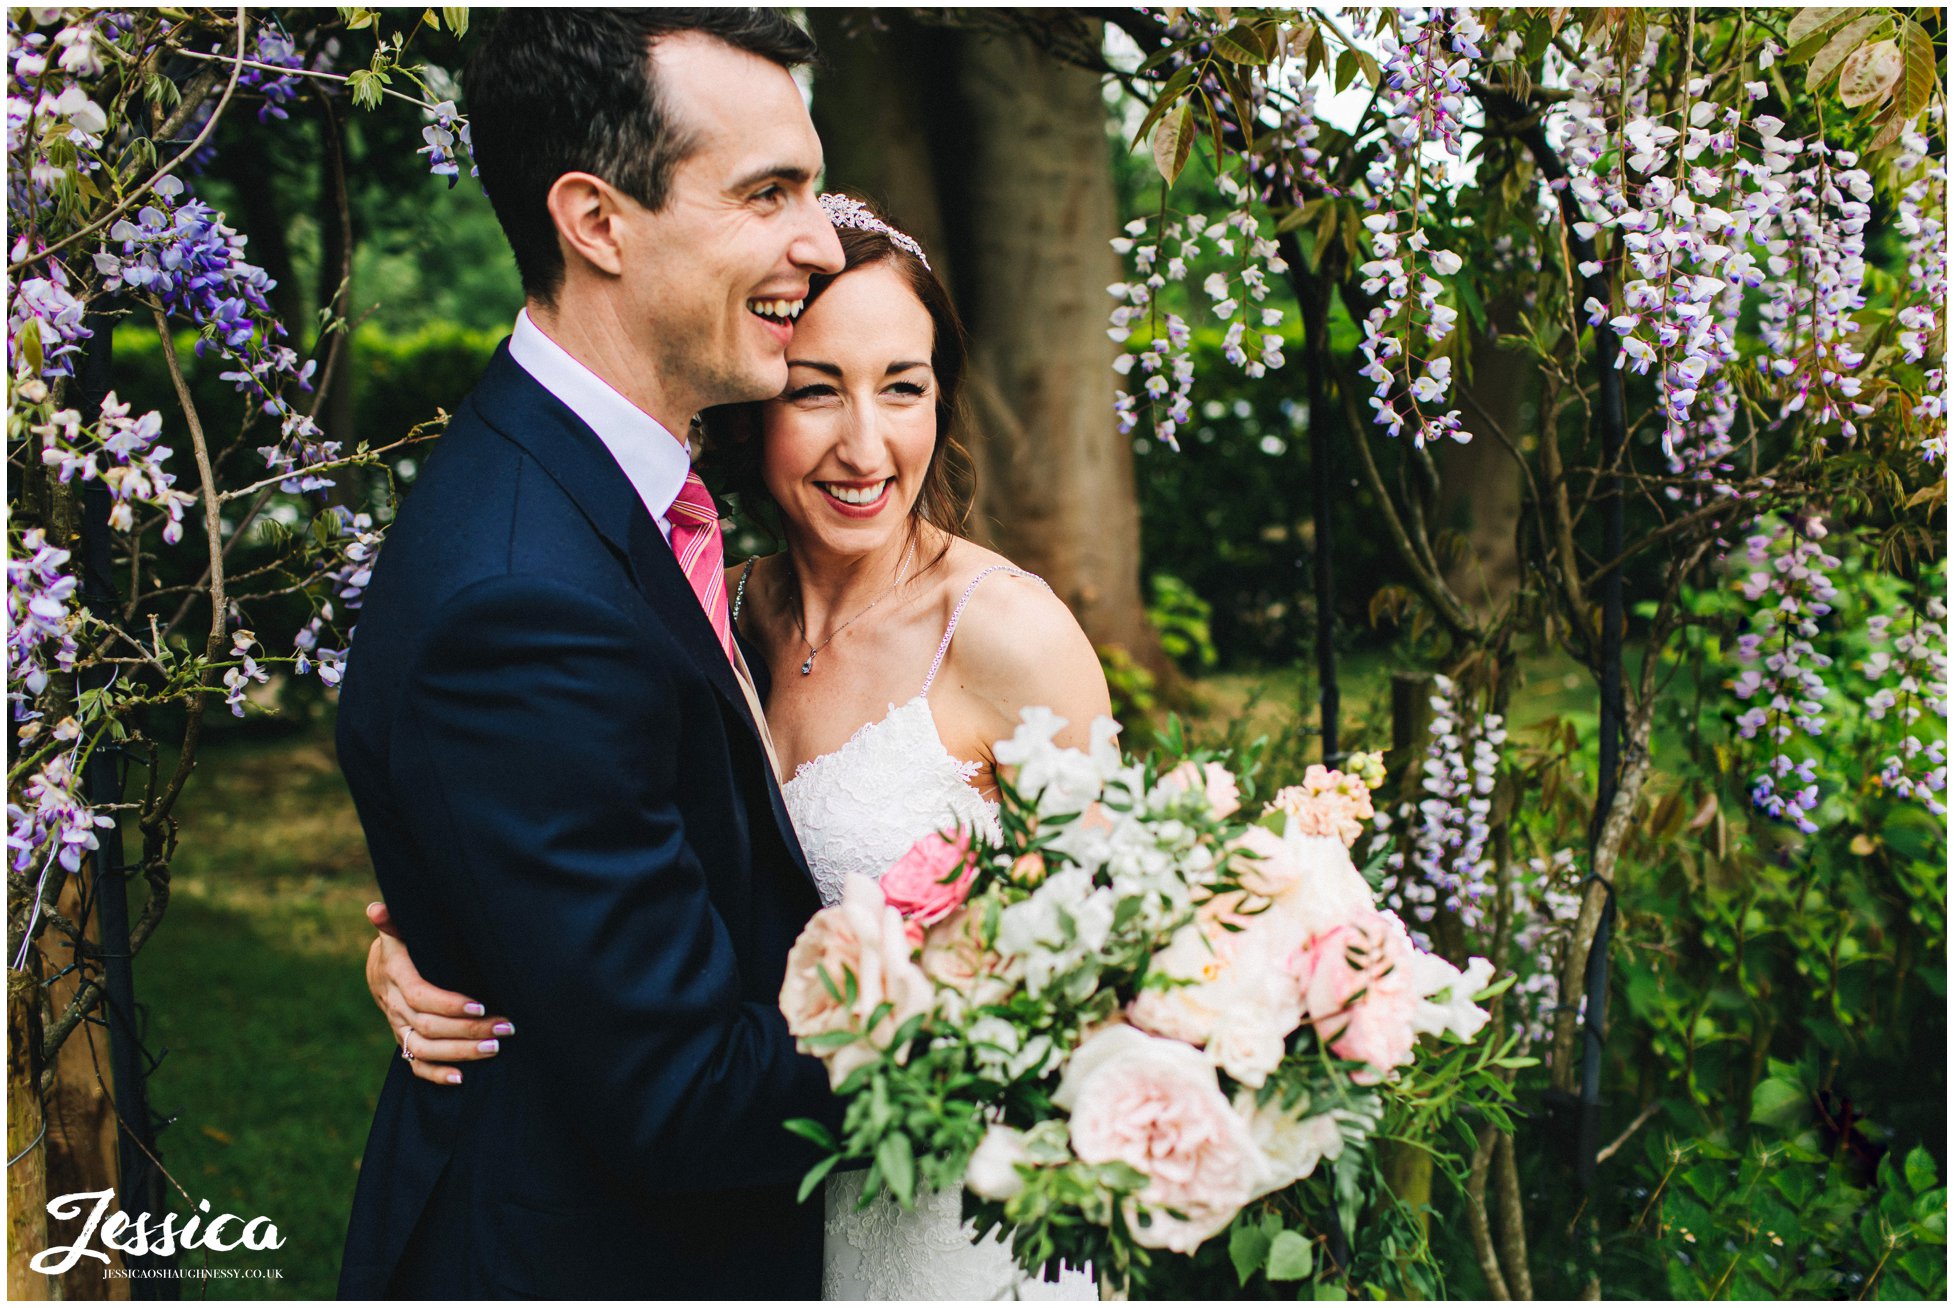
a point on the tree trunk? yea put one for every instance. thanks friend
(1480, 483)
(27, 1191)
(1025, 217)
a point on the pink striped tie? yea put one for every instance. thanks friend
(702, 555)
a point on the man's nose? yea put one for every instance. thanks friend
(818, 249)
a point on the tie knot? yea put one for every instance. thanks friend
(694, 502)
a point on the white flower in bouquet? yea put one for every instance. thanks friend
(1059, 780)
(1367, 989)
(861, 943)
(1456, 1012)
(992, 1172)
(1292, 1141)
(1155, 1105)
(1065, 922)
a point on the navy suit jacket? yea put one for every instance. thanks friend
(572, 819)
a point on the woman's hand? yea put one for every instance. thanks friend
(434, 1028)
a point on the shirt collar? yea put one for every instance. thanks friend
(651, 458)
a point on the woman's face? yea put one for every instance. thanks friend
(847, 444)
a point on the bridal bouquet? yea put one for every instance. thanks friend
(1143, 1007)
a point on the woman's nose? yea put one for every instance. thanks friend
(861, 440)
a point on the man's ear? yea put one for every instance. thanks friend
(586, 211)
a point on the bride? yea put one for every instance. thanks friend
(899, 653)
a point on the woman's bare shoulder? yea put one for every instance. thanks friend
(1018, 645)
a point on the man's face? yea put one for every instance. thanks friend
(713, 280)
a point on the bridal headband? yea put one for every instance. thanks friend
(845, 211)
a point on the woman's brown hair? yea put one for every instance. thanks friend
(730, 457)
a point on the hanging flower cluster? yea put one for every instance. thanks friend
(41, 619)
(1443, 860)
(51, 815)
(278, 89)
(1783, 673)
(441, 134)
(1423, 95)
(1922, 227)
(1237, 296)
(121, 451)
(344, 582)
(1546, 903)
(1909, 658)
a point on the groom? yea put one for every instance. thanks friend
(551, 736)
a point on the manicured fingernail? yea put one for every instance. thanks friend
(376, 904)
(503, 1028)
(475, 1010)
(490, 1046)
(454, 1078)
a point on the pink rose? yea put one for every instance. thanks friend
(864, 938)
(954, 957)
(1156, 1106)
(1224, 795)
(1361, 989)
(933, 879)
(1231, 992)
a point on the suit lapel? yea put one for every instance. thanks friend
(564, 446)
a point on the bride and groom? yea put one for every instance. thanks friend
(603, 782)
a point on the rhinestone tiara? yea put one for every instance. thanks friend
(846, 211)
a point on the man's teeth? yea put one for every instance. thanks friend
(786, 310)
(856, 494)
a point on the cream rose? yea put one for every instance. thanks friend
(861, 936)
(1156, 1106)
(1292, 1141)
(1232, 992)
(954, 957)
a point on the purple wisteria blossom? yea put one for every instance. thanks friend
(345, 585)
(1423, 96)
(1546, 902)
(441, 135)
(278, 89)
(1237, 295)
(1909, 659)
(1924, 230)
(121, 451)
(41, 620)
(1782, 675)
(1442, 858)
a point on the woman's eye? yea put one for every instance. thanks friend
(907, 388)
(816, 391)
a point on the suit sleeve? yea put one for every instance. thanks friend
(545, 733)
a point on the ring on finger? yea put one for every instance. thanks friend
(405, 1052)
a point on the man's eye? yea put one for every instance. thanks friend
(771, 197)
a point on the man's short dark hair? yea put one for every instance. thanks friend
(554, 91)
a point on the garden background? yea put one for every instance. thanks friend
(1647, 681)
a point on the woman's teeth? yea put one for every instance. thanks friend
(784, 310)
(857, 494)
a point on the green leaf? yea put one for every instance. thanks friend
(1291, 1256)
(813, 1132)
(1173, 141)
(1348, 66)
(1870, 74)
(1248, 1247)
(1241, 44)
(815, 1175)
(1778, 1103)
(455, 19)
(1920, 1171)
(1810, 22)
(1842, 44)
(898, 1167)
(29, 341)
(1170, 93)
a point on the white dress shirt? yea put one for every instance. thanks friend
(653, 460)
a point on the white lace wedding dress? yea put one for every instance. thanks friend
(858, 810)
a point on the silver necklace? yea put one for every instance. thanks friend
(813, 649)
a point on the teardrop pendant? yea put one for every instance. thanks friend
(808, 666)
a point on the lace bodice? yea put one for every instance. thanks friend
(857, 810)
(860, 808)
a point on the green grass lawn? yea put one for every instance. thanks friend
(254, 983)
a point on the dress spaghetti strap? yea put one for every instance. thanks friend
(956, 614)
